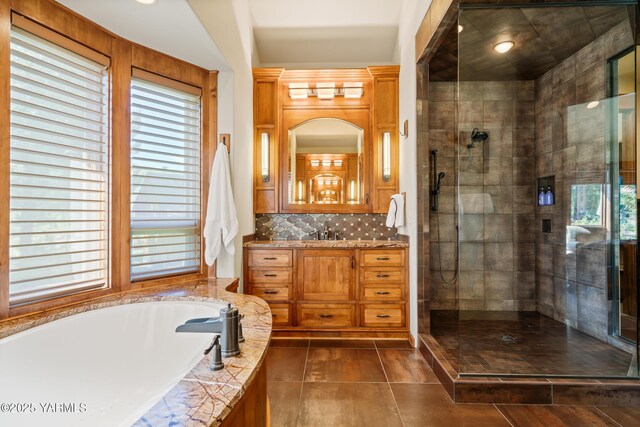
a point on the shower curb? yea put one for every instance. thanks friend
(527, 390)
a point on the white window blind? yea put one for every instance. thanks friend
(59, 171)
(165, 181)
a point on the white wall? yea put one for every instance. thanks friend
(411, 16)
(229, 24)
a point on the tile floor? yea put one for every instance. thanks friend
(523, 343)
(387, 383)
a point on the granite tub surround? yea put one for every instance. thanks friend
(354, 244)
(202, 397)
(298, 226)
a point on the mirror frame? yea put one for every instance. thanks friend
(292, 118)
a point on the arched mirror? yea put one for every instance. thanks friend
(326, 162)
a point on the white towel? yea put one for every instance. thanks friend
(221, 225)
(395, 217)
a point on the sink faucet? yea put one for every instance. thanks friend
(227, 325)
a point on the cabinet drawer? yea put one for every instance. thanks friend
(270, 258)
(382, 293)
(382, 275)
(382, 315)
(270, 276)
(382, 258)
(326, 315)
(268, 293)
(280, 314)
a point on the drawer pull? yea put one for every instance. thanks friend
(383, 316)
(271, 292)
(382, 275)
(326, 316)
(274, 315)
(270, 258)
(382, 293)
(271, 275)
(382, 258)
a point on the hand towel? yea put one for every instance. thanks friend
(221, 225)
(395, 216)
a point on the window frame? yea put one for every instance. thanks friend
(62, 26)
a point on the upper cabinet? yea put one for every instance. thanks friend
(325, 140)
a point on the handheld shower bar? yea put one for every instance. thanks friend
(437, 180)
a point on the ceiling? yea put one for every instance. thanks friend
(325, 34)
(543, 36)
(169, 26)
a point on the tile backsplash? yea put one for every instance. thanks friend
(298, 226)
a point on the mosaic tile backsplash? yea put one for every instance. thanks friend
(298, 226)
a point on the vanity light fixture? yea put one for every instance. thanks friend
(352, 90)
(325, 90)
(265, 157)
(592, 105)
(147, 2)
(386, 156)
(326, 163)
(503, 47)
(337, 163)
(460, 28)
(298, 90)
(315, 163)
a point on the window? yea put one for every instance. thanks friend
(59, 173)
(587, 202)
(165, 180)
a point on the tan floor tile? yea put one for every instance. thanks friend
(625, 416)
(429, 405)
(284, 400)
(554, 415)
(347, 405)
(342, 343)
(286, 364)
(393, 344)
(342, 364)
(406, 366)
(284, 342)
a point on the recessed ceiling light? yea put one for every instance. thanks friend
(593, 104)
(460, 28)
(503, 47)
(147, 1)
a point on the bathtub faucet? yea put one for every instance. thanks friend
(227, 325)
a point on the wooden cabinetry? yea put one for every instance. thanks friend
(275, 112)
(320, 291)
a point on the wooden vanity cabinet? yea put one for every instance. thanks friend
(313, 291)
(375, 112)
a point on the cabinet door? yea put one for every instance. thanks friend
(326, 275)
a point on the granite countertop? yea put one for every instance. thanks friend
(355, 244)
(202, 397)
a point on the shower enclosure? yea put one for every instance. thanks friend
(531, 263)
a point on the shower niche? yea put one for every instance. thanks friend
(546, 191)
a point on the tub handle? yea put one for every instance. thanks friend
(213, 343)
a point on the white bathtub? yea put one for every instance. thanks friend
(109, 366)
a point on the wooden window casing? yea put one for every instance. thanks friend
(59, 25)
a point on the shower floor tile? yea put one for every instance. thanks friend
(522, 343)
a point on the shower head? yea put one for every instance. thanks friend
(477, 135)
